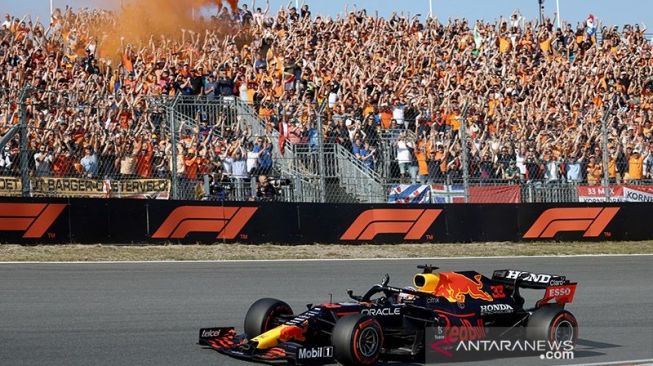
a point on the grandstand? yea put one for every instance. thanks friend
(294, 106)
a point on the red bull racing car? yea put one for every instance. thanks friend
(393, 323)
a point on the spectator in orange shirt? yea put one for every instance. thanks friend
(635, 167)
(144, 161)
(63, 164)
(191, 161)
(594, 172)
(422, 166)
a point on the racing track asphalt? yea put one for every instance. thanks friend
(150, 313)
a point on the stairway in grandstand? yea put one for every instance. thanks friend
(345, 178)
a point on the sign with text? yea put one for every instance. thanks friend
(89, 188)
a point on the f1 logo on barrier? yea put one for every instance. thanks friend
(591, 220)
(412, 222)
(33, 218)
(227, 222)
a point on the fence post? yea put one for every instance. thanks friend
(605, 156)
(463, 142)
(24, 162)
(174, 188)
(320, 157)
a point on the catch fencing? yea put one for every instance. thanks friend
(69, 144)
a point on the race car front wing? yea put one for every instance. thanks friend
(226, 341)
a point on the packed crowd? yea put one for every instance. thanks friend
(531, 95)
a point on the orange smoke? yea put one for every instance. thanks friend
(140, 21)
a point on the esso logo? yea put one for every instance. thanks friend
(559, 291)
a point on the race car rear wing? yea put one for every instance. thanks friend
(526, 279)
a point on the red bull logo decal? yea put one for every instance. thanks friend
(291, 333)
(454, 287)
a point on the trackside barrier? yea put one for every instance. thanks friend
(53, 221)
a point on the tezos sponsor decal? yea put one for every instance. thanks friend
(496, 309)
(381, 311)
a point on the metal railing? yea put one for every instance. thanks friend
(305, 188)
(358, 180)
(151, 154)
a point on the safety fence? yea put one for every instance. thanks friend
(57, 144)
(57, 220)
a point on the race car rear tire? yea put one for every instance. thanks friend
(263, 315)
(357, 340)
(552, 323)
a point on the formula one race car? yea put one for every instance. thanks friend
(390, 323)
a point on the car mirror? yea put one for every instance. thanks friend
(385, 280)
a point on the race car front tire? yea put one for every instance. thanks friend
(357, 340)
(552, 324)
(264, 315)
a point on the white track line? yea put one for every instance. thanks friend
(333, 259)
(615, 363)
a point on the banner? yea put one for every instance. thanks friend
(618, 193)
(477, 194)
(409, 193)
(10, 187)
(445, 193)
(88, 188)
(597, 193)
(454, 193)
(638, 194)
(495, 194)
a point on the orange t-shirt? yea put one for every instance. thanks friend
(504, 45)
(454, 121)
(144, 165)
(594, 172)
(421, 163)
(545, 45)
(386, 119)
(61, 166)
(191, 167)
(635, 166)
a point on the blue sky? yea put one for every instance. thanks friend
(610, 12)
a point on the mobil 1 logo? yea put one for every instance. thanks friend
(314, 355)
